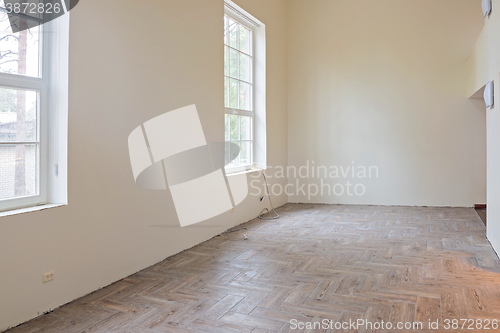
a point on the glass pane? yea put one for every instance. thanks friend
(18, 112)
(250, 152)
(226, 31)
(233, 94)
(234, 127)
(245, 157)
(233, 34)
(226, 60)
(231, 155)
(226, 92)
(245, 128)
(227, 126)
(18, 171)
(245, 38)
(245, 69)
(227, 154)
(19, 52)
(233, 63)
(245, 97)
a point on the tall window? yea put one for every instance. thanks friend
(27, 107)
(239, 92)
(22, 84)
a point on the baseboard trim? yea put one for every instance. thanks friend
(479, 206)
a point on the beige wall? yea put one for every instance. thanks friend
(128, 64)
(383, 83)
(484, 65)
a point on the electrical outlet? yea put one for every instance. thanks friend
(49, 276)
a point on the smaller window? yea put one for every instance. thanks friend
(239, 91)
(244, 89)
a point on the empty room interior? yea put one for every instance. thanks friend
(249, 166)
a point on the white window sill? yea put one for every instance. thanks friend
(29, 209)
(230, 173)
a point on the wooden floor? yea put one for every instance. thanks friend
(396, 264)
(482, 214)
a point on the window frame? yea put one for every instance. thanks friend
(43, 86)
(228, 12)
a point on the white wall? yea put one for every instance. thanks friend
(484, 65)
(128, 64)
(383, 83)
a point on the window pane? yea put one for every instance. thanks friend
(231, 155)
(18, 115)
(226, 30)
(18, 171)
(245, 38)
(233, 94)
(245, 128)
(226, 60)
(227, 154)
(245, 69)
(245, 157)
(19, 52)
(227, 126)
(234, 127)
(233, 63)
(226, 92)
(245, 97)
(233, 34)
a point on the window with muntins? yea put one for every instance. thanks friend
(238, 94)
(33, 108)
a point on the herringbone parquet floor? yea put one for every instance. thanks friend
(396, 264)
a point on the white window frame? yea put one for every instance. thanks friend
(257, 55)
(52, 116)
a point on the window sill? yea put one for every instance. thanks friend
(230, 173)
(29, 209)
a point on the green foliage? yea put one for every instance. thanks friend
(8, 100)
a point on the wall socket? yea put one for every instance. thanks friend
(49, 276)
